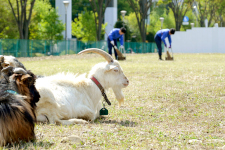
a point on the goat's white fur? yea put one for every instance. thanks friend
(68, 98)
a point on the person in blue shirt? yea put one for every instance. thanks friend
(112, 39)
(160, 36)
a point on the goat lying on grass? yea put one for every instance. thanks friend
(18, 98)
(69, 99)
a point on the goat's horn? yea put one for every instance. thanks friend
(19, 71)
(98, 51)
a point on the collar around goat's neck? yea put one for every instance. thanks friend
(12, 92)
(101, 89)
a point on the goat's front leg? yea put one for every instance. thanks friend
(72, 121)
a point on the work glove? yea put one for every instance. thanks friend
(112, 42)
(121, 47)
(170, 46)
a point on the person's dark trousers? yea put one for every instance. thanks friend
(159, 45)
(110, 47)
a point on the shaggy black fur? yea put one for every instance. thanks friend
(17, 113)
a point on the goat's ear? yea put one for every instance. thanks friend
(114, 68)
(25, 77)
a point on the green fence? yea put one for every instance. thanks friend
(34, 48)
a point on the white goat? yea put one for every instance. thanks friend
(69, 99)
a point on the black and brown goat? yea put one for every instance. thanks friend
(18, 98)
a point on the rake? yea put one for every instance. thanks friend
(168, 56)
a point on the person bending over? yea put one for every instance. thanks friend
(160, 36)
(115, 34)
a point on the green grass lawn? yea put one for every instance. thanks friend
(168, 105)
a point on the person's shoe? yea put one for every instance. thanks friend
(160, 59)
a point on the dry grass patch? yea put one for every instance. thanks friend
(169, 104)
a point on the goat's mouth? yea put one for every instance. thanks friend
(125, 84)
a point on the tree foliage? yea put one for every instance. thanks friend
(220, 12)
(79, 6)
(141, 10)
(8, 27)
(83, 27)
(212, 10)
(179, 8)
(123, 5)
(99, 7)
(205, 9)
(155, 23)
(131, 22)
(45, 22)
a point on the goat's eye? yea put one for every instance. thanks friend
(116, 70)
(6, 65)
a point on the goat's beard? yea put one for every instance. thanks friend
(119, 96)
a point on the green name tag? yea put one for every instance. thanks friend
(104, 111)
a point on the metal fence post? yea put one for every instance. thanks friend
(1, 51)
(31, 48)
(45, 48)
(66, 48)
(17, 46)
(78, 46)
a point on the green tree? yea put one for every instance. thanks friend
(155, 23)
(205, 9)
(220, 13)
(8, 26)
(131, 21)
(22, 12)
(179, 8)
(212, 10)
(46, 24)
(83, 27)
(99, 7)
(78, 6)
(141, 10)
(123, 5)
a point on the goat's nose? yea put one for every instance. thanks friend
(127, 81)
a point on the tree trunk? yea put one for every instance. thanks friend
(141, 12)
(20, 15)
(100, 10)
(179, 12)
(99, 29)
(142, 30)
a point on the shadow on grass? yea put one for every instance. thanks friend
(29, 145)
(125, 123)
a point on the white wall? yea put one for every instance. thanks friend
(199, 40)
(110, 17)
(61, 11)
